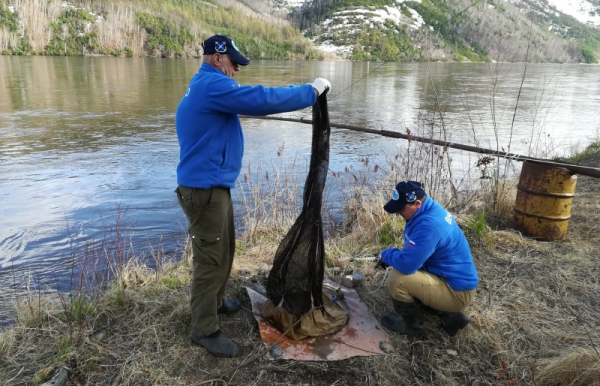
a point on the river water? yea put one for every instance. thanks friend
(88, 143)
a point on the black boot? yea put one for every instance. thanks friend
(452, 322)
(216, 343)
(409, 323)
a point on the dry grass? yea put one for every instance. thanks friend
(578, 367)
(535, 319)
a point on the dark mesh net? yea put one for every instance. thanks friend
(295, 282)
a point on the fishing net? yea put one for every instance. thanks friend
(297, 301)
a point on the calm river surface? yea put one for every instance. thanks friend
(84, 140)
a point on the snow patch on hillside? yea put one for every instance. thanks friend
(295, 3)
(67, 5)
(353, 20)
(582, 10)
(340, 51)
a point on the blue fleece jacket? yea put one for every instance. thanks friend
(434, 243)
(210, 135)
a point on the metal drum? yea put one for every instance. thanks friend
(544, 201)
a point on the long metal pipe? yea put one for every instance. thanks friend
(578, 169)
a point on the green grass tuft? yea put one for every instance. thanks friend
(594, 147)
(477, 231)
(391, 231)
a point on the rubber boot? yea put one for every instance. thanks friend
(229, 306)
(410, 321)
(216, 343)
(452, 322)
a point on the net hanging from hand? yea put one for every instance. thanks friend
(295, 283)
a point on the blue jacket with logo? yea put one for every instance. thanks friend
(208, 127)
(434, 243)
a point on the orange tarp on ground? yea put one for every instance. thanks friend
(361, 336)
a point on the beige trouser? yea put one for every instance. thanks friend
(211, 227)
(431, 290)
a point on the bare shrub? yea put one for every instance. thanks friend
(36, 16)
(270, 198)
(118, 29)
(8, 39)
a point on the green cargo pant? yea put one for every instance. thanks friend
(431, 290)
(212, 231)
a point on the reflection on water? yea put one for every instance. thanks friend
(83, 140)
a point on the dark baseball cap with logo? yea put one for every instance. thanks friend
(406, 192)
(220, 44)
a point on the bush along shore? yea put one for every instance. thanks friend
(535, 319)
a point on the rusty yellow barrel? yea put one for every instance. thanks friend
(544, 201)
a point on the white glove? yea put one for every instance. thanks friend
(321, 85)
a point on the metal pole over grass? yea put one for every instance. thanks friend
(577, 169)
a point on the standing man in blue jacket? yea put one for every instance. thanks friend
(211, 148)
(434, 269)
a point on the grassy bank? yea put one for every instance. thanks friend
(535, 319)
(146, 28)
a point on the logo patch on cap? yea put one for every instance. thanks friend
(221, 47)
(411, 197)
(395, 195)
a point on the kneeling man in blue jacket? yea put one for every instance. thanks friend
(434, 270)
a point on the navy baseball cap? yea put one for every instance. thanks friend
(219, 44)
(406, 192)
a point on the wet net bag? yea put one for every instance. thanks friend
(297, 303)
